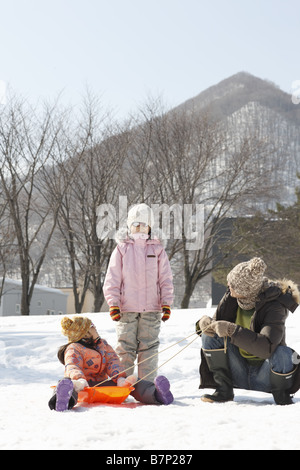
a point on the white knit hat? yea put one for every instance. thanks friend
(140, 213)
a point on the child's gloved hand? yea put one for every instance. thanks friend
(166, 313)
(79, 384)
(126, 381)
(115, 313)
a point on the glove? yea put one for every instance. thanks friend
(115, 313)
(166, 313)
(126, 381)
(223, 328)
(79, 384)
(202, 326)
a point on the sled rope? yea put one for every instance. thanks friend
(172, 357)
(157, 353)
(150, 357)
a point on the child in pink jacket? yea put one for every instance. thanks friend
(139, 291)
(90, 360)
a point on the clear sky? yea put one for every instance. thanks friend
(126, 50)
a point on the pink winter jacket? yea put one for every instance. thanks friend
(139, 277)
(92, 365)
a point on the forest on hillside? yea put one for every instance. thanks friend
(60, 167)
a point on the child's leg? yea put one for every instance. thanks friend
(157, 393)
(148, 343)
(127, 340)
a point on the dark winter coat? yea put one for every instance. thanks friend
(267, 328)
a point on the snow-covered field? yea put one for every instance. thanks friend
(28, 366)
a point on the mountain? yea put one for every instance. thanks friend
(245, 103)
(235, 92)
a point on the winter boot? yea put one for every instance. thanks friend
(162, 392)
(217, 362)
(64, 396)
(280, 386)
(64, 392)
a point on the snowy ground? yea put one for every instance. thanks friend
(28, 366)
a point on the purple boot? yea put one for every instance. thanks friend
(64, 391)
(163, 393)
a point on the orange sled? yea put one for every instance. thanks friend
(114, 395)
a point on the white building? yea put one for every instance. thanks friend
(45, 300)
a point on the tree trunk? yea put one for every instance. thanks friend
(25, 299)
(187, 296)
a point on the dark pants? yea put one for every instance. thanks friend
(252, 377)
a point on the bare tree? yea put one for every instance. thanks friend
(97, 182)
(8, 247)
(191, 159)
(31, 145)
(55, 173)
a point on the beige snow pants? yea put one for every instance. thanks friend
(138, 338)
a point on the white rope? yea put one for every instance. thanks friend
(150, 357)
(165, 361)
(159, 352)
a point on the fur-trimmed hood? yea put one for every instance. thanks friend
(284, 291)
(288, 286)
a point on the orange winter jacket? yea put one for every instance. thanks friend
(92, 365)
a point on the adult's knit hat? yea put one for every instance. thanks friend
(247, 278)
(75, 328)
(140, 213)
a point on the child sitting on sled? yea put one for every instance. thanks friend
(90, 360)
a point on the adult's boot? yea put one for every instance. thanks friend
(280, 386)
(217, 362)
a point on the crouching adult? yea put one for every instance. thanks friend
(243, 345)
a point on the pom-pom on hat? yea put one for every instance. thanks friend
(75, 328)
(247, 278)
